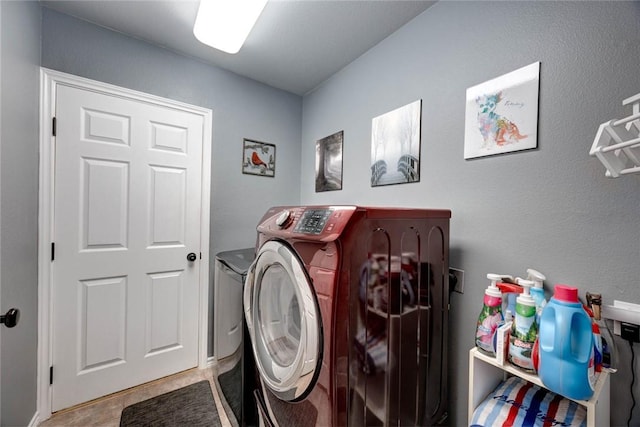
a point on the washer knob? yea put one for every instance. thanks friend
(283, 219)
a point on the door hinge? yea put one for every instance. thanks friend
(53, 126)
(200, 255)
(53, 251)
(51, 375)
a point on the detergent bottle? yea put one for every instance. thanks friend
(524, 330)
(597, 341)
(566, 346)
(502, 339)
(510, 290)
(490, 317)
(537, 290)
(607, 345)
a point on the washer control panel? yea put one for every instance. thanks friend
(313, 221)
(321, 223)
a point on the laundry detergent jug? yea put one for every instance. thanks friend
(566, 345)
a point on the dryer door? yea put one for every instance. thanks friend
(283, 321)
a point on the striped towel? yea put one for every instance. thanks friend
(516, 402)
(372, 351)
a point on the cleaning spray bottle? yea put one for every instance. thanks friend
(490, 317)
(524, 330)
(537, 290)
(510, 290)
(597, 341)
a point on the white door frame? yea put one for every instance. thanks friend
(49, 81)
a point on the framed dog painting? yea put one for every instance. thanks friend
(502, 114)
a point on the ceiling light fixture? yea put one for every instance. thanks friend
(225, 24)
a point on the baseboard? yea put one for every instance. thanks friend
(211, 361)
(35, 420)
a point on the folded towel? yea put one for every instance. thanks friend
(516, 402)
(371, 351)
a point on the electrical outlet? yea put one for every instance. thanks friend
(458, 274)
(620, 312)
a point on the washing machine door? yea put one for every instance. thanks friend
(283, 321)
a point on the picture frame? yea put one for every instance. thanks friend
(258, 158)
(501, 114)
(329, 162)
(395, 146)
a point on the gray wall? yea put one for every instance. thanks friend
(242, 108)
(550, 208)
(20, 59)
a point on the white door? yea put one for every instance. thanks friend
(126, 215)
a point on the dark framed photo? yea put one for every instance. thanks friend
(258, 158)
(329, 162)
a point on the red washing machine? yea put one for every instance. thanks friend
(347, 312)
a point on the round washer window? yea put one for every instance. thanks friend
(278, 315)
(284, 321)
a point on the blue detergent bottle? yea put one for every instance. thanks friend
(566, 346)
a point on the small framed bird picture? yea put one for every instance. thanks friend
(258, 158)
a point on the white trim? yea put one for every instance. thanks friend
(0, 204)
(49, 81)
(45, 210)
(35, 420)
(205, 221)
(211, 362)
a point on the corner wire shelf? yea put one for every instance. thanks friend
(617, 142)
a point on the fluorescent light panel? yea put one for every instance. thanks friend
(225, 24)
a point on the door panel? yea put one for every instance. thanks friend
(127, 211)
(169, 138)
(164, 317)
(105, 126)
(105, 207)
(102, 313)
(168, 206)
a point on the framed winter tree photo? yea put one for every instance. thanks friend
(395, 146)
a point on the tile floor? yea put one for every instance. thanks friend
(105, 412)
